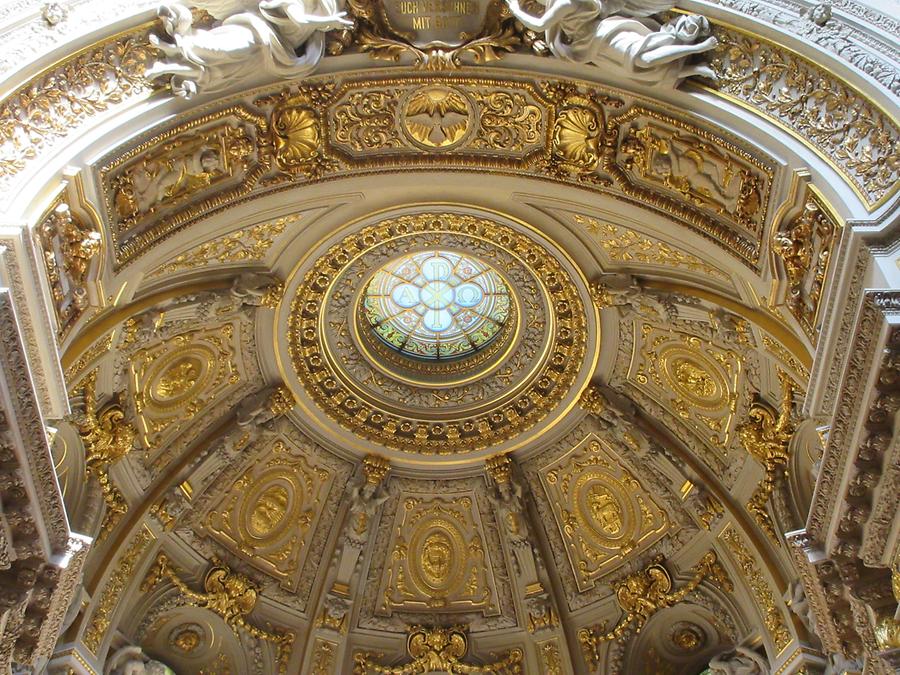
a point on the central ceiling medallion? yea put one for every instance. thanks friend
(436, 304)
(437, 333)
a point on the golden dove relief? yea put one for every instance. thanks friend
(268, 514)
(438, 558)
(602, 510)
(175, 379)
(695, 378)
(386, 118)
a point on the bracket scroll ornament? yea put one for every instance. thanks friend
(229, 594)
(438, 650)
(107, 437)
(642, 594)
(766, 436)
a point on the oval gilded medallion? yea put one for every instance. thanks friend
(268, 510)
(178, 380)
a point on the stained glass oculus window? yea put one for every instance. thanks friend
(436, 304)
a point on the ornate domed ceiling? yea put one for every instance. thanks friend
(410, 337)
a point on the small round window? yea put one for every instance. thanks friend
(436, 304)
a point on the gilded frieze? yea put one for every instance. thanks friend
(266, 516)
(175, 379)
(247, 245)
(697, 379)
(601, 509)
(853, 133)
(438, 558)
(559, 131)
(664, 154)
(180, 173)
(430, 120)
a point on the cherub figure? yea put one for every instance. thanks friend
(621, 33)
(282, 38)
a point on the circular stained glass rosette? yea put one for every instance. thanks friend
(436, 304)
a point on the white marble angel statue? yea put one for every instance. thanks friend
(620, 33)
(279, 38)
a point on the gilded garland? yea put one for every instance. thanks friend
(497, 400)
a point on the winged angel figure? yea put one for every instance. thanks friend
(282, 38)
(620, 33)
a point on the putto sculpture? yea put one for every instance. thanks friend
(620, 33)
(281, 38)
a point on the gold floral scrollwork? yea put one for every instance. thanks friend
(858, 137)
(602, 510)
(438, 559)
(765, 599)
(805, 245)
(296, 130)
(229, 594)
(107, 438)
(643, 593)
(438, 650)
(766, 436)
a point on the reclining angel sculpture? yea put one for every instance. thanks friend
(620, 33)
(281, 38)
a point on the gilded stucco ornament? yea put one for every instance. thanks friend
(438, 561)
(601, 509)
(438, 650)
(107, 436)
(229, 594)
(623, 36)
(267, 516)
(70, 248)
(277, 38)
(643, 593)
